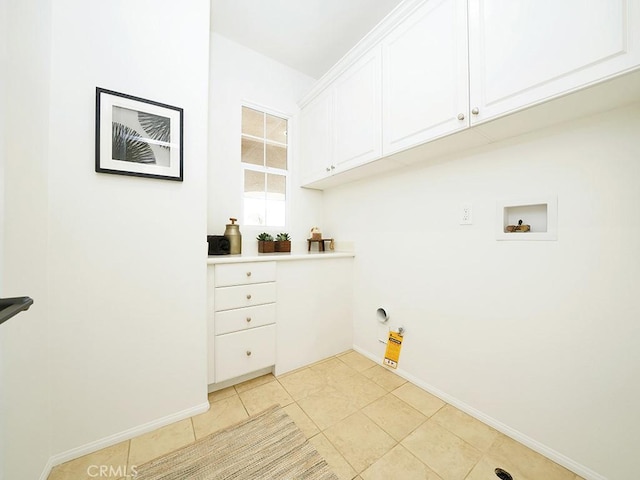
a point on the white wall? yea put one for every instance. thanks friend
(116, 339)
(239, 75)
(126, 254)
(24, 340)
(541, 337)
(3, 112)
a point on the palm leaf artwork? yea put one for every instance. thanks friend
(127, 145)
(157, 127)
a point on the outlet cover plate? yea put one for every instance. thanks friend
(466, 214)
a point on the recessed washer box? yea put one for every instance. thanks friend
(541, 213)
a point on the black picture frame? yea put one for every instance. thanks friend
(138, 137)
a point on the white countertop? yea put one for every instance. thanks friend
(279, 257)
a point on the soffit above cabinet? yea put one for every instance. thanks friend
(370, 39)
(307, 35)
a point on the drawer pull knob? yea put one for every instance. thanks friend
(248, 353)
(248, 319)
(248, 296)
(248, 274)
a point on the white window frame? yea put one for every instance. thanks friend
(276, 171)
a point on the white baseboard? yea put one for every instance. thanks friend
(120, 437)
(47, 469)
(542, 449)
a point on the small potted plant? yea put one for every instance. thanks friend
(265, 243)
(283, 242)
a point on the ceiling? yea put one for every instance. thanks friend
(307, 35)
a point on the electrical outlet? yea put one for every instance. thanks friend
(466, 214)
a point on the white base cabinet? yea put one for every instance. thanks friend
(315, 318)
(299, 312)
(242, 316)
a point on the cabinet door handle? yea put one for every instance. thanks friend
(248, 353)
(333, 167)
(248, 274)
(328, 169)
(475, 111)
(248, 319)
(248, 296)
(461, 116)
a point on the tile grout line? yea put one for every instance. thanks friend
(242, 403)
(193, 427)
(128, 453)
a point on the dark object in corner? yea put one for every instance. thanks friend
(218, 245)
(12, 306)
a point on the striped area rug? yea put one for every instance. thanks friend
(266, 446)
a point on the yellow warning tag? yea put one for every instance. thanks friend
(392, 355)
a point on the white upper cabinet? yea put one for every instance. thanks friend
(342, 126)
(315, 138)
(525, 52)
(357, 119)
(433, 68)
(425, 76)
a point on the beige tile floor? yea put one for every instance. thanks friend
(367, 422)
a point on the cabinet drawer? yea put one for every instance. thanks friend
(244, 352)
(244, 318)
(244, 273)
(226, 298)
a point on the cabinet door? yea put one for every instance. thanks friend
(525, 52)
(315, 138)
(357, 119)
(315, 316)
(243, 352)
(425, 76)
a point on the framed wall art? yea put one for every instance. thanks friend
(138, 137)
